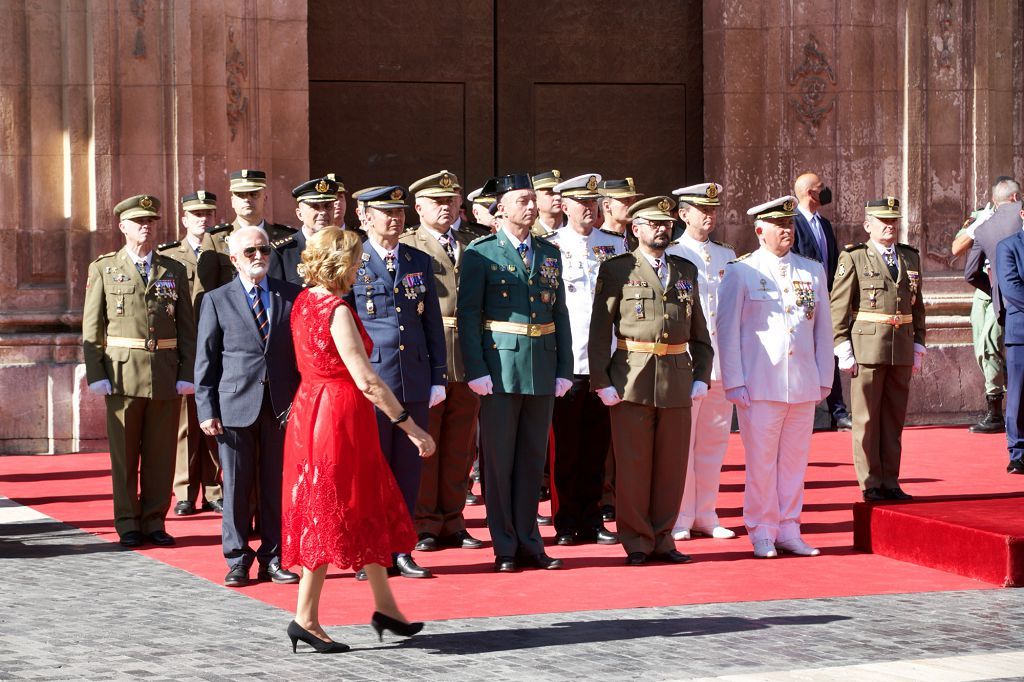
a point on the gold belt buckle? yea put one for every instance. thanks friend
(151, 345)
(895, 321)
(660, 348)
(533, 330)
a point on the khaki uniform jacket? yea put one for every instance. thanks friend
(446, 276)
(209, 271)
(118, 303)
(863, 284)
(630, 297)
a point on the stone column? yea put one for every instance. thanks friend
(101, 100)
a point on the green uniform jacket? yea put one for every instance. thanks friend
(209, 271)
(863, 284)
(495, 286)
(629, 297)
(446, 276)
(117, 303)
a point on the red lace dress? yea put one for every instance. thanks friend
(340, 502)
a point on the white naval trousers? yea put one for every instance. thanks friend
(711, 417)
(776, 441)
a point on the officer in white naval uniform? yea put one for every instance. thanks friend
(774, 335)
(581, 422)
(711, 415)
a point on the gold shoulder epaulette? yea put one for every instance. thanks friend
(611, 232)
(854, 247)
(728, 246)
(106, 255)
(743, 257)
(217, 229)
(168, 245)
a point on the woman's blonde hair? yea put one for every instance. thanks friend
(329, 255)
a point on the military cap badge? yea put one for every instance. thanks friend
(446, 181)
(557, 173)
(592, 183)
(788, 206)
(322, 186)
(202, 195)
(712, 191)
(396, 194)
(664, 204)
(245, 173)
(632, 187)
(145, 202)
(891, 201)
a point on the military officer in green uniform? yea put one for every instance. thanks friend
(139, 342)
(661, 363)
(197, 466)
(550, 216)
(517, 349)
(248, 200)
(879, 324)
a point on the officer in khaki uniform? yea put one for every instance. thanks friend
(444, 480)
(550, 216)
(661, 363)
(197, 464)
(139, 342)
(248, 199)
(879, 324)
(517, 348)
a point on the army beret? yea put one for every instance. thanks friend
(138, 206)
(889, 207)
(199, 201)
(246, 180)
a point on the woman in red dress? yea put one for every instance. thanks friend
(341, 504)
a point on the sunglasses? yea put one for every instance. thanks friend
(250, 251)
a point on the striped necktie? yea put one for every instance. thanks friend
(260, 313)
(524, 253)
(446, 242)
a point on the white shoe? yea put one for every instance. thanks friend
(681, 534)
(718, 533)
(765, 549)
(797, 546)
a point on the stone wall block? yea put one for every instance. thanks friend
(23, 413)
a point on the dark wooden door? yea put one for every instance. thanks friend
(399, 90)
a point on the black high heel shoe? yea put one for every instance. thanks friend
(296, 632)
(379, 622)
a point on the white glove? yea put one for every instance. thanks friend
(826, 391)
(919, 352)
(185, 388)
(482, 386)
(609, 396)
(437, 395)
(101, 387)
(738, 396)
(844, 354)
(562, 387)
(983, 215)
(699, 390)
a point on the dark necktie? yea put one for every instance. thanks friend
(659, 270)
(890, 262)
(389, 262)
(143, 268)
(524, 252)
(260, 313)
(448, 247)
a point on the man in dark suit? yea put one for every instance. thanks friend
(981, 269)
(395, 295)
(246, 379)
(315, 210)
(813, 238)
(1010, 268)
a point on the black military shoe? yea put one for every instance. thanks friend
(462, 539)
(184, 508)
(214, 506)
(636, 559)
(842, 423)
(161, 538)
(606, 537)
(427, 543)
(275, 573)
(408, 568)
(542, 561)
(1015, 468)
(505, 564)
(131, 539)
(874, 495)
(896, 494)
(237, 576)
(673, 556)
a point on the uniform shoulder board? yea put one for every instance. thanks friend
(908, 247)
(611, 232)
(743, 257)
(484, 238)
(278, 243)
(544, 240)
(618, 256)
(728, 246)
(217, 229)
(850, 248)
(167, 245)
(409, 229)
(810, 258)
(676, 257)
(105, 255)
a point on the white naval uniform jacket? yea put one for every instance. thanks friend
(581, 259)
(774, 327)
(710, 258)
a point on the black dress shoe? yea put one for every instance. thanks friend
(565, 539)
(214, 505)
(542, 561)
(636, 559)
(132, 538)
(184, 508)
(608, 512)
(874, 495)
(409, 569)
(896, 494)
(505, 564)
(472, 500)
(842, 423)
(237, 576)
(543, 520)
(606, 537)
(161, 538)
(461, 538)
(275, 573)
(1015, 467)
(673, 556)
(427, 543)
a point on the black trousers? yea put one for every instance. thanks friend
(252, 458)
(582, 435)
(401, 455)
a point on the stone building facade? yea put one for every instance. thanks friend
(102, 99)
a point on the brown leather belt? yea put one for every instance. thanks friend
(449, 321)
(520, 328)
(652, 347)
(141, 344)
(894, 320)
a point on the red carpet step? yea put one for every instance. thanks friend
(976, 537)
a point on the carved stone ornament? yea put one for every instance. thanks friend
(944, 41)
(238, 73)
(814, 81)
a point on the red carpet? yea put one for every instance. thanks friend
(977, 538)
(937, 462)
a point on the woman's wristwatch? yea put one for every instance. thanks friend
(401, 418)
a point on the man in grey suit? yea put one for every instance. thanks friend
(246, 379)
(980, 268)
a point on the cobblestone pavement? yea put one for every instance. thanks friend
(76, 607)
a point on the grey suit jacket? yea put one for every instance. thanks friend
(232, 366)
(1005, 222)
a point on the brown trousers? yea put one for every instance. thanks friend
(141, 433)
(879, 395)
(444, 479)
(651, 450)
(197, 463)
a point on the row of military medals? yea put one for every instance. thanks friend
(803, 291)
(413, 284)
(166, 292)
